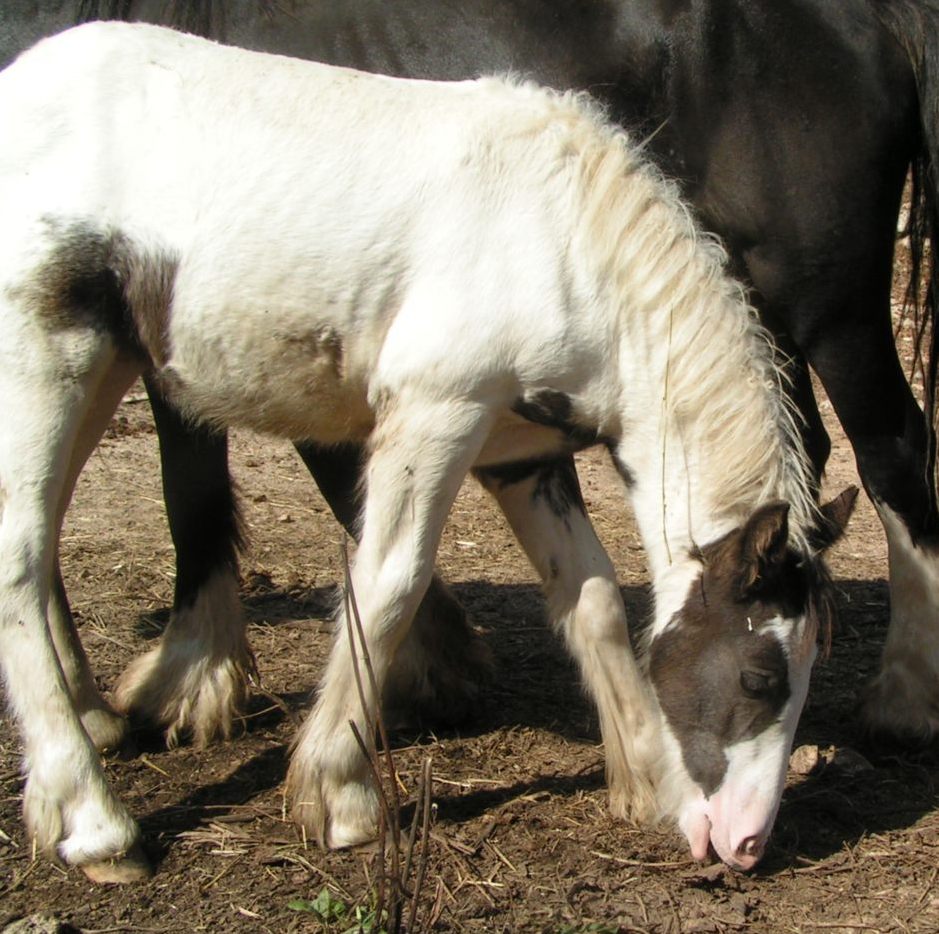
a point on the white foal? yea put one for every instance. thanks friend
(474, 275)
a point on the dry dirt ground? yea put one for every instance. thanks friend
(520, 839)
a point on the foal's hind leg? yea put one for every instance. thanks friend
(104, 726)
(437, 671)
(546, 511)
(195, 680)
(45, 393)
(421, 453)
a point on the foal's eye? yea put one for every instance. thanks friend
(758, 683)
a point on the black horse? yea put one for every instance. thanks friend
(791, 125)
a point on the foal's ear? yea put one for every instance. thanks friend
(763, 544)
(834, 519)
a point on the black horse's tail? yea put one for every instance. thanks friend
(915, 25)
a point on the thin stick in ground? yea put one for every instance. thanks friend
(389, 819)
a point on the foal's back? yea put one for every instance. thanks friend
(274, 219)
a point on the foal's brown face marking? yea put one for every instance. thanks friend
(720, 674)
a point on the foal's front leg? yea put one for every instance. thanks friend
(438, 670)
(543, 504)
(420, 455)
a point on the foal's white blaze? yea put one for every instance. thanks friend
(737, 818)
(731, 666)
(743, 810)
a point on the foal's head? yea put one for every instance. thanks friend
(731, 671)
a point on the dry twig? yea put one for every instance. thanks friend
(389, 827)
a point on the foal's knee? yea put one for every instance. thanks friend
(598, 614)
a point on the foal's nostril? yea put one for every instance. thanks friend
(752, 847)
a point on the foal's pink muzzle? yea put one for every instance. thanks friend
(736, 829)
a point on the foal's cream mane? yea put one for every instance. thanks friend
(723, 384)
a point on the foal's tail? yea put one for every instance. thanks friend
(915, 25)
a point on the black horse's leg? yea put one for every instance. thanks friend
(810, 215)
(195, 680)
(815, 437)
(437, 670)
(838, 315)
(841, 325)
(891, 442)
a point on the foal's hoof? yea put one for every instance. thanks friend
(133, 866)
(105, 728)
(335, 814)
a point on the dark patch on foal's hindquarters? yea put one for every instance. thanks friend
(100, 279)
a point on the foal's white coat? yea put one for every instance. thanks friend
(351, 256)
